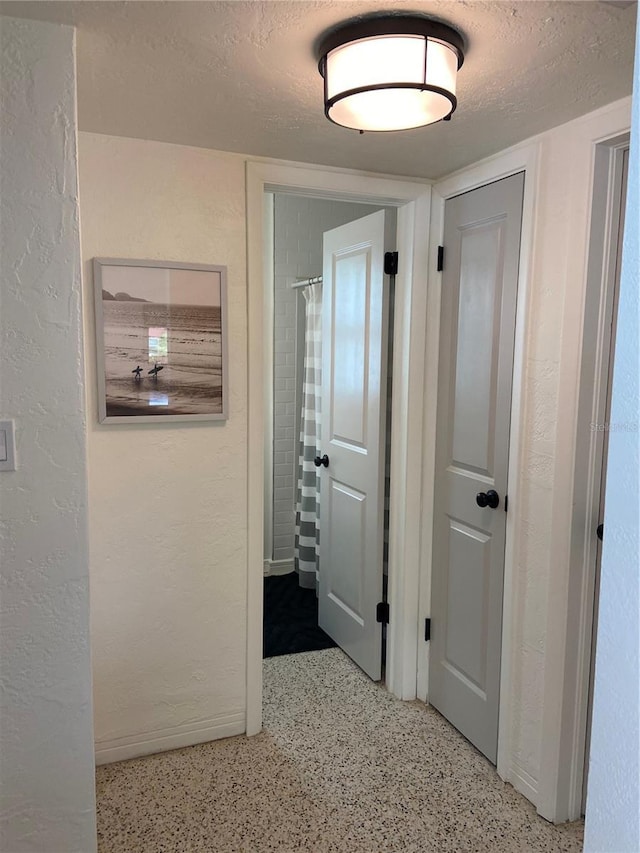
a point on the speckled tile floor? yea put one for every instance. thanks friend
(341, 767)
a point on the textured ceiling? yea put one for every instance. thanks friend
(242, 76)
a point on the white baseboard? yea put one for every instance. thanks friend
(278, 567)
(147, 743)
(524, 783)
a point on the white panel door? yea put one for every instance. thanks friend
(354, 349)
(479, 284)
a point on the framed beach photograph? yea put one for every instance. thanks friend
(161, 336)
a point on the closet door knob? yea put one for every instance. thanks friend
(321, 461)
(490, 499)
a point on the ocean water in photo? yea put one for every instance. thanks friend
(183, 341)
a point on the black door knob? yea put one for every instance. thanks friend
(600, 531)
(321, 461)
(490, 499)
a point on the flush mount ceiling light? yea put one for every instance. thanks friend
(390, 73)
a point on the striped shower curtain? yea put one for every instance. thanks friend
(308, 500)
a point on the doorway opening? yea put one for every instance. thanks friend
(412, 201)
(608, 213)
(295, 228)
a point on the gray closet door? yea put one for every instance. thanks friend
(482, 245)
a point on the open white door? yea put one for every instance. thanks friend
(479, 286)
(354, 350)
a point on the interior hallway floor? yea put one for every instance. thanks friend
(341, 767)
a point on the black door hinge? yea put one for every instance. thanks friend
(427, 630)
(506, 502)
(391, 263)
(440, 266)
(382, 612)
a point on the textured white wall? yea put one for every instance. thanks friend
(613, 800)
(46, 770)
(168, 536)
(299, 224)
(553, 207)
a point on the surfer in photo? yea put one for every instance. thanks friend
(156, 369)
(137, 371)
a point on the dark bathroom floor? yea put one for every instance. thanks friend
(291, 618)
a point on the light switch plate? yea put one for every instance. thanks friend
(7, 446)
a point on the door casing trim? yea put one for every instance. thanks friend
(525, 159)
(413, 200)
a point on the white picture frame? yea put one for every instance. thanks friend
(161, 341)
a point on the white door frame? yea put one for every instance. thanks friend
(413, 199)
(267, 342)
(565, 720)
(522, 159)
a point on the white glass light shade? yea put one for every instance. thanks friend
(390, 82)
